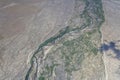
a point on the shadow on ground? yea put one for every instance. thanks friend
(111, 46)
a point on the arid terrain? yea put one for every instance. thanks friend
(59, 40)
(110, 32)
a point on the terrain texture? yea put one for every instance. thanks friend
(59, 40)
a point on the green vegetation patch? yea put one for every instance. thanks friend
(41, 78)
